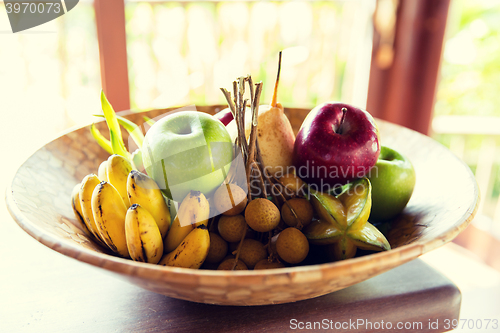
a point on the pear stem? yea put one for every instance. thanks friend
(274, 101)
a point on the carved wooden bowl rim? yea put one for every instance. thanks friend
(378, 262)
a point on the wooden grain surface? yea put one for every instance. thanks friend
(67, 297)
(444, 202)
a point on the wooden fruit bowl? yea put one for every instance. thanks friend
(444, 202)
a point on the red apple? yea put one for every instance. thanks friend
(336, 144)
(225, 116)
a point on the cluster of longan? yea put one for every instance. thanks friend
(258, 234)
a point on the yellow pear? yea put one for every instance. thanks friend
(276, 138)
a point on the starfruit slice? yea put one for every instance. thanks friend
(369, 238)
(343, 225)
(321, 232)
(343, 249)
(357, 201)
(329, 209)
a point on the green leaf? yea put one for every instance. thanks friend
(115, 133)
(101, 140)
(133, 129)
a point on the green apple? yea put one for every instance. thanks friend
(393, 180)
(187, 150)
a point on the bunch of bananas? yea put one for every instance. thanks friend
(125, 211)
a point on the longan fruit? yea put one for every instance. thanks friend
(227, 265)
(231, 228)
(217, 250)
(292, 183)
(262, 215)
(292, 245)
(230, 199)
(266, 264)
(252, 251)
(301, 207)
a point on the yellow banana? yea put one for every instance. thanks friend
(77, 207)
(193, 211)
(118, 169)
(102, 172)
(144, 191)
(89, 183)
(191, 252)
(109, 215)
(144, 241)
(75, 203)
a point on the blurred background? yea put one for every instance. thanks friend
(181, 53)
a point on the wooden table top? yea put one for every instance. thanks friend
(43, 291)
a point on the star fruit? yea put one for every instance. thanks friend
(343, 221)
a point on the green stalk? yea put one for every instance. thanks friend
(115, 133)
(134, 130)
(101, 140)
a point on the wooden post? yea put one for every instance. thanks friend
(110, 20)
(402, 88)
